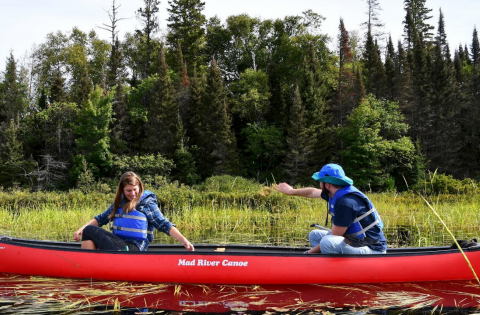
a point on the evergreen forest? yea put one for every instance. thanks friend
(261, 99)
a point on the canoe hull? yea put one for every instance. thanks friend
(236, 267)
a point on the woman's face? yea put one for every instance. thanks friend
(130, 191)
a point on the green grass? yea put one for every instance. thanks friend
(246, 216)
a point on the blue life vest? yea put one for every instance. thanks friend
(356, 229)
(133, 225)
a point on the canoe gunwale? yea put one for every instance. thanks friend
(235, 264)
(233, 250)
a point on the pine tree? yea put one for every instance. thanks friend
(417, 23)
(421, 111)
(278, 114)
(403, 83)
(374, 25)
(115, 66)
(442, 149)
(475, 48)
(12, 102)
(114, 19)
(299, 143)
(162, 128)
(115, 62)
(13, 167)
(314, 94)
(183, 94)
(42, 100)
(194, 112)
(467, 55)
(93, 134)
(83, 87)
(217, 146)
(149, 20)
(57, 90)
(470, 152)
(409, 30)
(373, 68)
(467, 138)
(359, 87)
(187, 30)
(391, 74)
(344, 102)
(441, 38)
(120, 122)
(180, 64)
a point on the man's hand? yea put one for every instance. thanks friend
(285, 188)
(308, 192)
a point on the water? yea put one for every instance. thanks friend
(42, 295)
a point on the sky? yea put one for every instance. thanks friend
(25, 23)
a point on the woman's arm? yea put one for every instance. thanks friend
(308, 192)
(175, 233)
(77, 235)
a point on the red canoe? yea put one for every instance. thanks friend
(236, 264)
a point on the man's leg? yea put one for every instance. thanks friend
(316, 236)
(333, 244)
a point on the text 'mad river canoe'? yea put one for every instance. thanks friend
(236, 264)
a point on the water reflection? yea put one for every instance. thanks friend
(37, 295)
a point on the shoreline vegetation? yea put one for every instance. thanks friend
(233, 210)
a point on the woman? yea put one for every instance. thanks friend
(136, 216)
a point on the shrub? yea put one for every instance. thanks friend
(445, 184)
(143, 165)
(228, 184)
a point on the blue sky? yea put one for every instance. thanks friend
(24, 23)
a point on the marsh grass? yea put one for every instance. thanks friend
(245, 216)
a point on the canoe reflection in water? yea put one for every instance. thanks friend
(463, 295)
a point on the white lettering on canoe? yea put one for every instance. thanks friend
(204, 262)
(184, 262)
(228, 263)
(212, 263)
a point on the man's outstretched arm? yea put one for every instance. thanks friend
(308, 192)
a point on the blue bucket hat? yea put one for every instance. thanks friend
(333, 174)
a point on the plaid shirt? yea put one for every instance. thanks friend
(148, 206)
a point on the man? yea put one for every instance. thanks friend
(356, 225)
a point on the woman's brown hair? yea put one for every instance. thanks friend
(129, 178)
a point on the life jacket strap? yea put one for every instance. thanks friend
(364, 215)
(365, 229)
(128, 216)
(131, 230)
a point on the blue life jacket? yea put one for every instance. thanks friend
(133, 225)
(356, 229)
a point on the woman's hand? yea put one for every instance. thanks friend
(78, 234)
(189, 246)
(182, 239)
